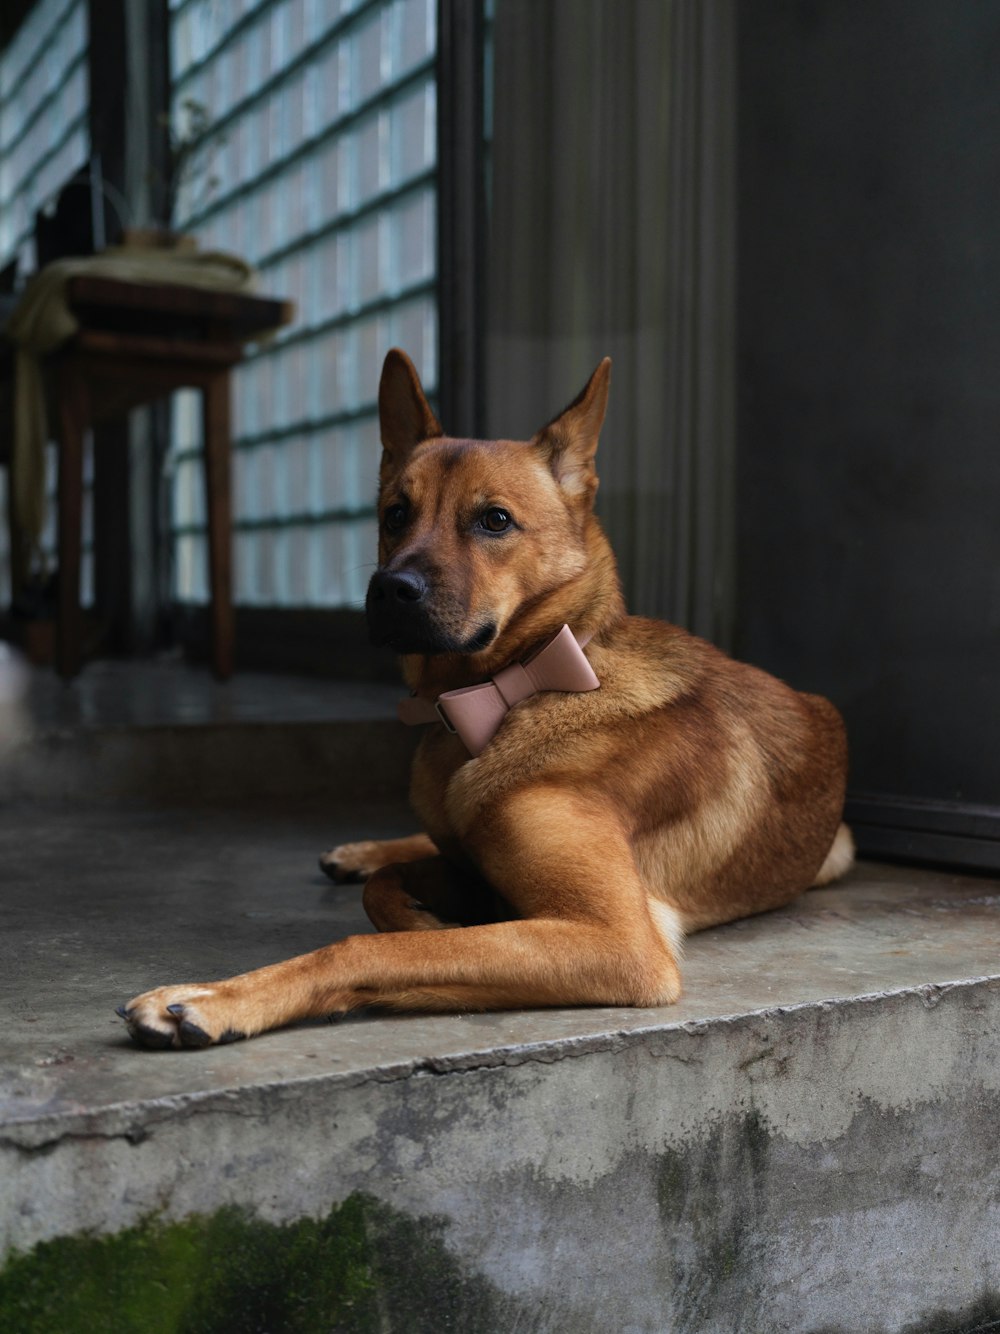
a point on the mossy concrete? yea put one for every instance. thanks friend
(358, 1270)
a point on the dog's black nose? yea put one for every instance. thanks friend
(402, 587)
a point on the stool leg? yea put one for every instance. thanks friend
(73, 413)
(215, 431)
(19, 551)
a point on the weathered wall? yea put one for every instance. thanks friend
(825, 1168)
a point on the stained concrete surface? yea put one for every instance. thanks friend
(100, 905)
(806, 1142)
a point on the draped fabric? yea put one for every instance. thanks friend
(43, 320)
(613, 231)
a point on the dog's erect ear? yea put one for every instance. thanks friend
(569, 442)
(405, 416)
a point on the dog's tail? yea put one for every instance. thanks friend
(839, 859)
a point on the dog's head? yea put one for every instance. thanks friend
(483, 542)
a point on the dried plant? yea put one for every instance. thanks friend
(192, 146)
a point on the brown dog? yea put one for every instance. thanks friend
(598, 826)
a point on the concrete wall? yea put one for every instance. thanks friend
(826, 1168)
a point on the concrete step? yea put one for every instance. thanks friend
(166, 732)
(806, 1142)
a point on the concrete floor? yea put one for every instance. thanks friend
(805, 1142)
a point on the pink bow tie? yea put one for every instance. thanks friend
(475, 712)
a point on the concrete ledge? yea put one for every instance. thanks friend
(218, 763)
(807, 1142)
(168, 733)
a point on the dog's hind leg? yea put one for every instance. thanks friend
(430, 894)
(352, 862)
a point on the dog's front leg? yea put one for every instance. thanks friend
(587, 938)
(351, 862)
(505, 965)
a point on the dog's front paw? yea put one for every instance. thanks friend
(352, 861)
(183, 1016)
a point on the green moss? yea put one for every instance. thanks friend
(365, 1267)
(710, 1192)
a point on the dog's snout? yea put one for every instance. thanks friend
(404, 611)
(405, 586)
(399, 611)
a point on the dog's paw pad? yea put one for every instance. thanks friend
(193, 1036)
(145, 1036)
(190, 1033)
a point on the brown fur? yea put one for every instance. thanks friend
(595, 829)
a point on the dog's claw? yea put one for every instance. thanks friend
(178, 1010)
(122, 1012)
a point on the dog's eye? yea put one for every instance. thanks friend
(394, 518)
(496, 520)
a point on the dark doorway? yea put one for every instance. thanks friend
(869, 540)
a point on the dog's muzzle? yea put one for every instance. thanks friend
(401, 616)
(396, 607)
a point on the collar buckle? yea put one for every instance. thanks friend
(439, 710)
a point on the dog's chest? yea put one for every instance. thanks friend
(438, 759)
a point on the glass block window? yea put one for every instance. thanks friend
(44, 140)
(318, 166)
(43, 118)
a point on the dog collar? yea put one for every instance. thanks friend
(475, 712)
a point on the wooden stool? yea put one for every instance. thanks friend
(136, 344)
